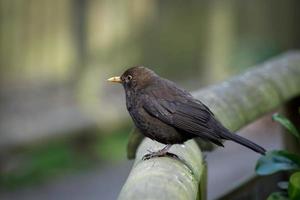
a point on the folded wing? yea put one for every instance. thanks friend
(193, 117)
(189, 116)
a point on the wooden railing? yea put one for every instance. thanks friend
(236, 103)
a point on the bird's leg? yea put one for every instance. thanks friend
(159, 153)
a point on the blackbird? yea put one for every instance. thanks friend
(170, 115)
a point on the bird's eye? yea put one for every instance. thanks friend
(129, 77)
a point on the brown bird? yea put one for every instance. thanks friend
(170, 115)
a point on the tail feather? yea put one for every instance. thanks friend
(245, 142)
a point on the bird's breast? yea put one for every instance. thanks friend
(154, 128)
(130, 100)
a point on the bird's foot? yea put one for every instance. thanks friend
(160, 153)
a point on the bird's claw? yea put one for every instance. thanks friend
(158, 154)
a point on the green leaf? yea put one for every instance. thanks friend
(275, 161)
(294, 186)
(287, 124)
(278, 196)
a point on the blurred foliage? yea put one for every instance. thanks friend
(281, 160)
(112, 146)
(278, 196)
(294, 186)
(33, 164)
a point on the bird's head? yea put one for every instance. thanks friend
(135, 78)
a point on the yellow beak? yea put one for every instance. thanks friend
(115, 79)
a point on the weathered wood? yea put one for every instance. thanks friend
(246, 97)
(165, 177)
(235, 102)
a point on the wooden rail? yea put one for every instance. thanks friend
(236, 103)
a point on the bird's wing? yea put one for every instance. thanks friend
(185, 114)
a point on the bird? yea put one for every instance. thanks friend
(164, 112)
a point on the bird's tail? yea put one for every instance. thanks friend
(245, 142)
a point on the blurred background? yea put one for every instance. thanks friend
(63, 128)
